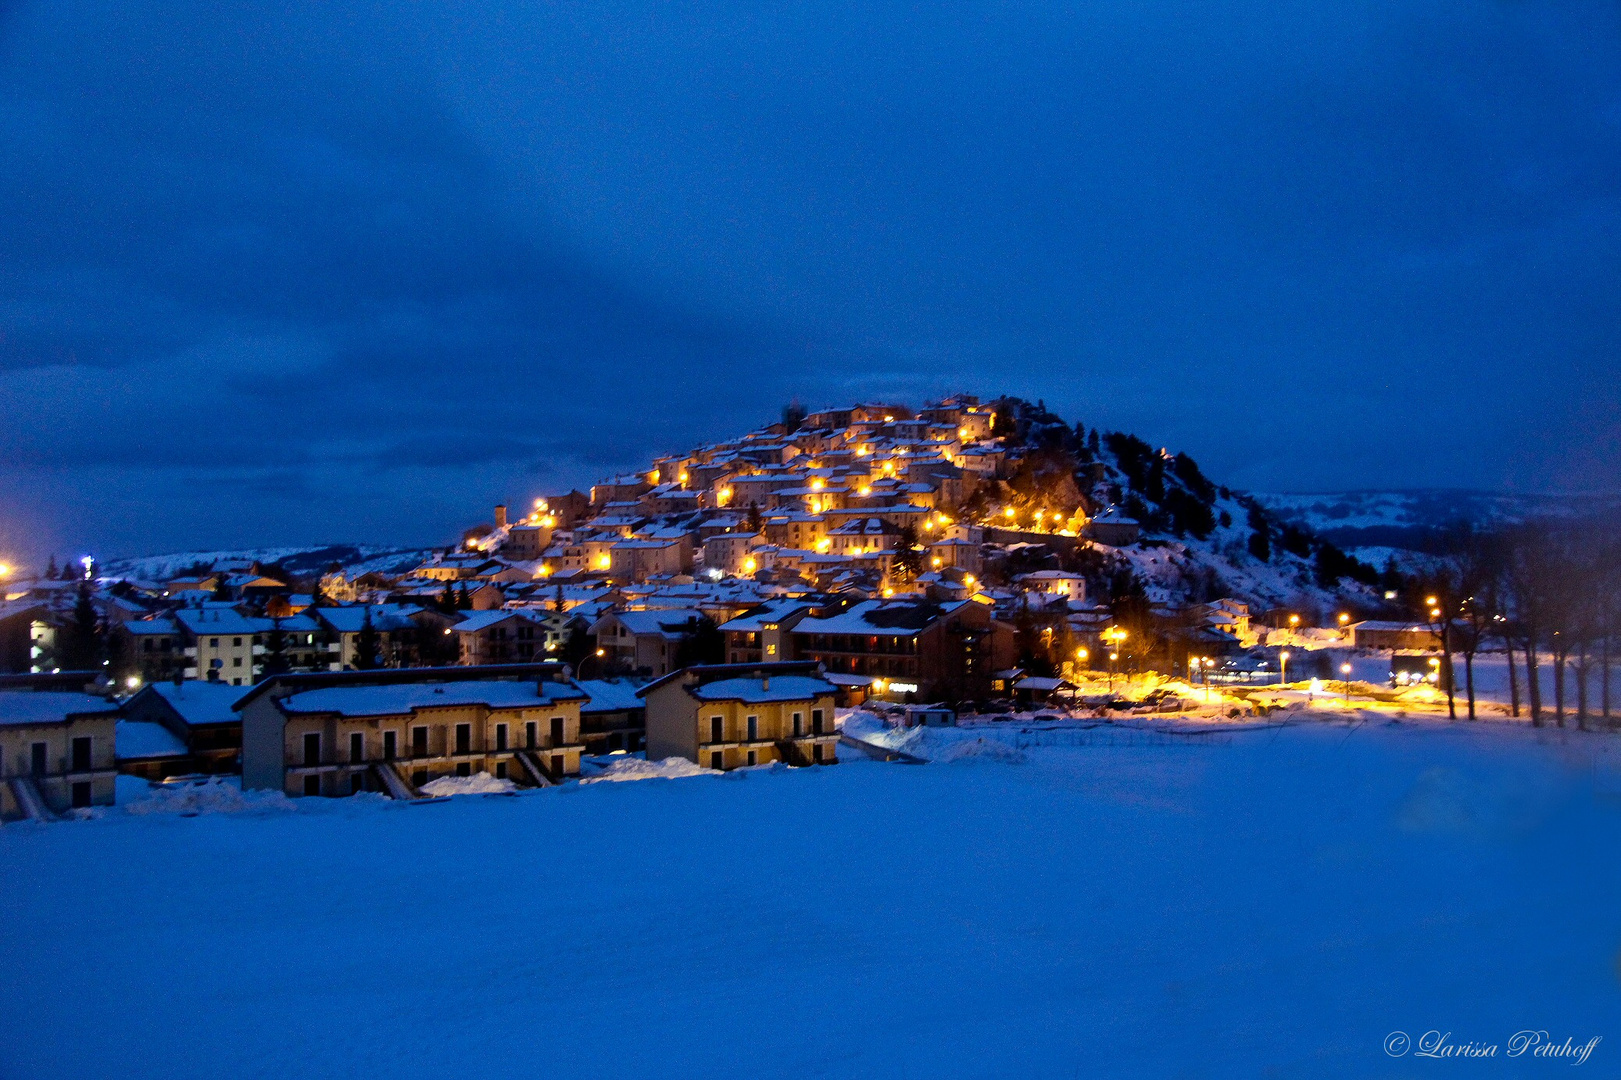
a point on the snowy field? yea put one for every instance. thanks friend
(1035, 902)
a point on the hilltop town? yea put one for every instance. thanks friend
(969, 556)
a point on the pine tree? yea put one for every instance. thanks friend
(756, 520)
(447, 600)
(908, 561)
(51, 570)
(366, 645)
(463, 601)
(82, 638)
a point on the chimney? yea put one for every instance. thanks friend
(500, 515)
(765, 683)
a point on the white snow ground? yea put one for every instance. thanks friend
(1263, 902)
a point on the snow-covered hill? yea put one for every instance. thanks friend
(300, 561)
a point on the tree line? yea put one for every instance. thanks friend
(1548, 593)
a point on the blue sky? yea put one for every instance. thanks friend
(282, 273)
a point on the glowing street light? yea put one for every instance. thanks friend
(1283, 668)
(1345, 672)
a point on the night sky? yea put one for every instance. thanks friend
(281, 273)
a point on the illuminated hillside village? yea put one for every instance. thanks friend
(726, 608)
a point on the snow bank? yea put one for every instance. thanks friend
(477, 784)
(982, 751)
(216, 796)
(636, 769)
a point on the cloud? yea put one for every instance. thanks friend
(375, 266)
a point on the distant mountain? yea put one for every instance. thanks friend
(1375, 524)
(298, 561)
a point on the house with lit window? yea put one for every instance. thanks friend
(393, 731)
(729, 716)
(58, 748)
(762, 634)
(918, 649)
(644, 642)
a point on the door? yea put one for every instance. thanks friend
(312, 749)
(391, 746)
(799, 724)
(816, 721)
(419, 742)
(464, 738)
(717, 729)
(531, 733)
(557, 766)
(81, 755)
(500, 736)
(81, 795)
(754, 728)
(357, 747)
(37, 758)
(557, 731)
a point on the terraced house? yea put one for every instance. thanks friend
(393, 731)
(57, 749)
(728, 716)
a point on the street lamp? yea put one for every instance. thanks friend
(1345, 670)
(1283, 668)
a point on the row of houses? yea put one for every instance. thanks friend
(63, 742)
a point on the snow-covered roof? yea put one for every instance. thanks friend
(899, 618)
(49, 706)
(144, 739)
(199, 701)
(617, 695)
(763, 691)
(398, 699)
(212, 619)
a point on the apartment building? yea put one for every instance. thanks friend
(394, 731)
(728, 716)
(58, 749)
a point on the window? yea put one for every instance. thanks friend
(236, 681)
(717, 728)
(357, 747)
(754, 731)
(419, 777)
(531, 733)
(500, 736)
(81, 756)
(464, 768)
(236, 661)
(816, 721)
(799, 724)
(464, 738)
(391, 745)
(236, 641)
(213, 643)
(419, 742)
(312, 749)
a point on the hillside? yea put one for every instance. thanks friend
(1200, 540)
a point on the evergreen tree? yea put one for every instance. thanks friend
(908, 561)
(50, 570)
(447, 600)
(756, 520)
(366, 645)
(82, 638)
(463, 601)
(701, 643)
(276, 649)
